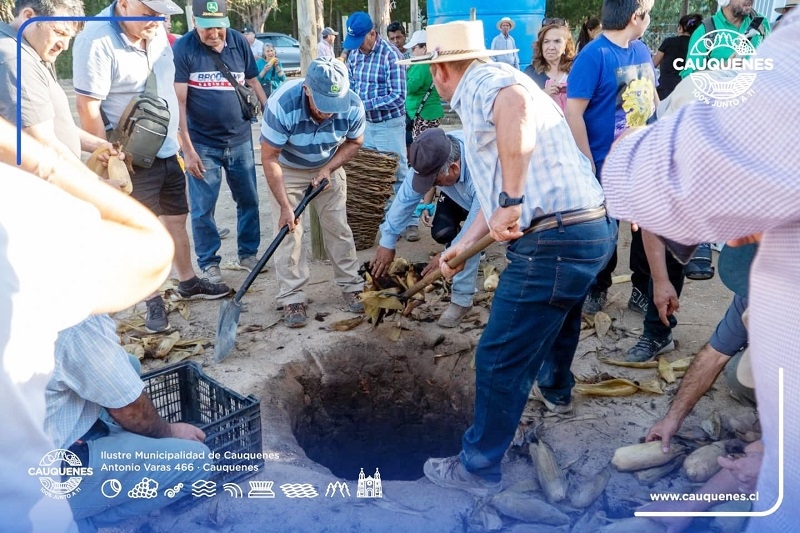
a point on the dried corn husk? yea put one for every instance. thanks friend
(524, 507)
(602, 323)
(645, 455)
(629, 364)
(94, 163)
(712, 426)
(682, 364)
(166, 344)
(585, 492)
(136, 350)
(348, 324)
(651, 475)
(617, 387)
(490, 278)
(551, 478)
(701, 464)
(117, 170)
(665, 370)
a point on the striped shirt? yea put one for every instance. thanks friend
(559, 177)
(379, 81)
(305, 143)
(702, 175)
(92, 372)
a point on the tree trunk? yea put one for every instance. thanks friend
(684, 8)
(380, 13)
(320, 18)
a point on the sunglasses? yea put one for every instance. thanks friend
(554, 22)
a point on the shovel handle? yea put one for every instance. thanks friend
(455, 262)
(310, 193)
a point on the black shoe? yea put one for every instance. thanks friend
(156, 318)
(699, 266)
(200, 288)
(638, 301)
(595, 302)
(648, 348)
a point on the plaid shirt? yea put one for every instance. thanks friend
(559, 177)
(379, 81)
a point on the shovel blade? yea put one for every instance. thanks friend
(226, 329)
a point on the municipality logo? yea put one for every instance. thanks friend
(212, 7)
(57, 465)
(726, 79)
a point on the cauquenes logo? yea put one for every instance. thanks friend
(58, 465)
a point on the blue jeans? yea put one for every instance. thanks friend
(535, 321)
(240, 172)
(389, 136)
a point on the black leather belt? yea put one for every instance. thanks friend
(566, 218)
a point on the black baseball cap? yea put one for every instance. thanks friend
(429, 152)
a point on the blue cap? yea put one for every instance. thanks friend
(330, 86)
(358, 26)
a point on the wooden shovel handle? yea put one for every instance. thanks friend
(455, 262)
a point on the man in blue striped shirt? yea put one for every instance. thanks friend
(528, 175)
(381, 84)
(311, 128)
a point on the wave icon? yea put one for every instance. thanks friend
(233, 489)
(204, 489)
(171, 493)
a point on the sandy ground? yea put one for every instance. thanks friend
(264, 357)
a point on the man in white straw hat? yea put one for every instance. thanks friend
(504, 41)
(528, 175)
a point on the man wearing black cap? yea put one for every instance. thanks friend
(436, 161)
(256, 46)
(311, 128)
(325, 45)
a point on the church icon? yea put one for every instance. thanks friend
(369, 487)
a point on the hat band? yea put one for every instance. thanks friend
(436, 53)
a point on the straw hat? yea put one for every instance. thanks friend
(454, 41)
(505, 19)
(787, 7)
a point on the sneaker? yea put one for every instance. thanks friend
(647, 348)
(453, 315)
(294, 315)
(699, 266)
(449, 473)
(202, 289)
(250, 262)
(638, 301)
(223, 232)
(595, 302)
(354, 303)
(213, 274)
(553, 407)
(156, 319)
(411, 234)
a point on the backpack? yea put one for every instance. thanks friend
(143, 126)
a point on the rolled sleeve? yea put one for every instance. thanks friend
(91, 66)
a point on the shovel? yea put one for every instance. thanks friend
(231, 309)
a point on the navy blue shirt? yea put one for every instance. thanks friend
(213, 110)
(620, 84)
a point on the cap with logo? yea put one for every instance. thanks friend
(329, 31)
(248, 29)
(210, 14)
(358, 26)
(429, 152)
(329, 84)
(163, 7)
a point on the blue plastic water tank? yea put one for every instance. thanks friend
(526, 14)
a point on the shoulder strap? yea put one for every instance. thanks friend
(424, 99)
(221, 66)
(708, 24)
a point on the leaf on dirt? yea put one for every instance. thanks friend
(681, 365)
(394, 335)
(624, 278)
(712, 426)
(629, 364)
(665, 370)
(177, 357)
(612, 387)
(602, 323)
(650, 386)
(136, 350)
(166, 344)
(348, 324)
(183, 309)
(198, 350)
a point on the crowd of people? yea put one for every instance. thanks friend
(547, 161)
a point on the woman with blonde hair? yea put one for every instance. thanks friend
(270, 70)
(553, 54)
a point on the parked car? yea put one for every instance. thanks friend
(287, 48)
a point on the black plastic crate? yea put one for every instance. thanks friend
(231, 422)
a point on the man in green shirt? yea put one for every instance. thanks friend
(735, 16)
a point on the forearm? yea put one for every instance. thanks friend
(90, 142)
(577, 126)
(183, 131)
(656, 257)
(274, 175)
(512, 117)
(344, 153)
(476, 231)
(702, 373)
(142, 418)
(90, 117)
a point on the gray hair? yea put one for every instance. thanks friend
(455, 155)
(49, 8)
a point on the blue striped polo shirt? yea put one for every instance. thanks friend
(305, 143)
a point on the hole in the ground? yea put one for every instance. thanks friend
(377, 407)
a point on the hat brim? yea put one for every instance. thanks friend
(330, 104)
(513, 25)
(784, 9)
(216, 22)
(422, 184)
(734, 267)
(164, 7)
(353, 43)
(449, 58)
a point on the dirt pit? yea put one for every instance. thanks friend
(376, 405)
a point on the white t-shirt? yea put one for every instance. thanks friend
(47, 240)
